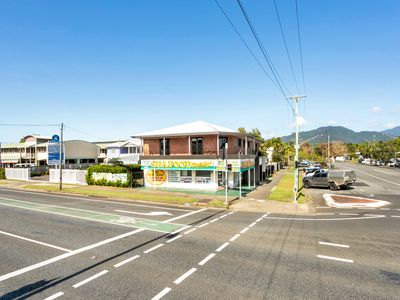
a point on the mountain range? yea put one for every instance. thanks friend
(343, 134)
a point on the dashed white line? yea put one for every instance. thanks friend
(153, 248)
(374, 215)
(76, 285)
(214, 220)
(222, 247)
(325, 214)
(334, 245)
(234, 237)
(244, 230)
(394, 216)
(126, 261)
(335, 258)
(202, 225)
(34, 241)
(56, 295)
(189, 231)
(264, 215)
(161, 294)
(207, 259)
(223, 216)
(175, 238)
(252, 224)
(184, 276)
(184, 215)
(348, 214)
(259, 219)
(385, 208)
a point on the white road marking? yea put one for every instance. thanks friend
(179, 230)
(348, 214)
(395, 183)
(329, 219)
(152, 213)
(373, 215)
(34, 241)
(184, 276)
(153, 248)
(335, 258)
(65, 255)
(214, 220)
(56, 295)
(161, 294)
(205, 260)
(244, 230)
(222, 247)
(76, 285)
(126, 261)
(325, 214)
(264, 215)
(397, 208)
(173, 239)
(189, 231)
(395, 216)
(184, 215)
(231, 212)
(334, 245)
(234, 237)
(90, 200)
(223, 216)
(259, 219)
(385, 208)
(202, 225)
(252, 224)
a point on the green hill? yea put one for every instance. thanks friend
(338, 133)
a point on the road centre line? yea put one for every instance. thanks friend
(259, 219)
(335, 258)
(161, 294)
(394, 216)
(244, 230)
(184, 215)
(373, 215)
(90, 200)
(325, 214)
(348, 214)
(126, 261)
(54, 296)
(76, 285)
(202, 225)
(334, 245)
(252, 224)
(329, 219)
(385, 208)
(34, 241)
(153, 248)
(398, 184)
(231, 212)
(175, 238)
(223, 216)
(234, 237)
(184, 276)
(191, 230)
(66, 255)
(213, 220)
(222, 247)
(206, 259)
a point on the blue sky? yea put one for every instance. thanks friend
(116, 68)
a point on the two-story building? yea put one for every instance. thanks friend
(190, 156)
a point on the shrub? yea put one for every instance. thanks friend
(2, 173)
(133, 173)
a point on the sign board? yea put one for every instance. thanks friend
(55, 139)
(54, 154)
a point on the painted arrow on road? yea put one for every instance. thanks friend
(153, 213)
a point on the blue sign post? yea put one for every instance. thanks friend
(54, 154)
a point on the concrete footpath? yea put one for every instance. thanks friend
(258, 201)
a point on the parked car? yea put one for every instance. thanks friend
(311, 169)
(334, 179)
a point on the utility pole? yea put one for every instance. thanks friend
(226, 172)
(240, 176)
(61, 152)
(329, 151)
(296, 145)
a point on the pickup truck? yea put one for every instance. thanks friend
(334, 179)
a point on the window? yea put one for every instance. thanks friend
(324, 174)
(240, 142)
(186, 173)
(222, 141)
(167, 152)
(203, 176)
(186, 176)
(197, 145)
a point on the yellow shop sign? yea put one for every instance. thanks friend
(182, 164)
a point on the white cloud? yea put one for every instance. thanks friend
(332, 122)
(390, 125)
(376, 108)
(301, 121)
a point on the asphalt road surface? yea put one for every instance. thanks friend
(60, 247)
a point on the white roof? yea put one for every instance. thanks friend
(198, 127)
(129, 143)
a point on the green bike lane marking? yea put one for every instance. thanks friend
(94, 216)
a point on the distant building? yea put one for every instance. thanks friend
(128, 152)
(190, 156)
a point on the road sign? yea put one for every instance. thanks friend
(54, 154)
(55, 139)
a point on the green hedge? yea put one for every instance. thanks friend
(134, 173)
(2, 173)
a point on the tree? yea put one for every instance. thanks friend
(242, 130)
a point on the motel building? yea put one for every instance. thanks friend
(190, 156)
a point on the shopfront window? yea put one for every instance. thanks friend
(197, 145)
(203, 176)
(186, 176)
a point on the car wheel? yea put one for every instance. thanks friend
(307, 184)
(333, 186)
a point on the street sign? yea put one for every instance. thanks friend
(54, 154)
(55, 139)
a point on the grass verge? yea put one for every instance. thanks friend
(284, 190)
(111, 192)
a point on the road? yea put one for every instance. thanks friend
(62, 247)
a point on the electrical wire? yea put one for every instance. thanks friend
(31, 125)
(300, 47)
(286, 46)
(85, 133)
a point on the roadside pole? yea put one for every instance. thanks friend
(240, 177)
(226, 173)
(61, 152)
(329, 151)
(296, 146)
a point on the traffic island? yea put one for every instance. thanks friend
(342, 201)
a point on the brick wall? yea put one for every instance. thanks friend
(179, 146)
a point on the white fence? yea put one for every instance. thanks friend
(18, 173)
(68, 176)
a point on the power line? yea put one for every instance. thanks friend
(85, 133)
(244, 42)
(30, 125)
(286, 47)
(300, 48)
(264, 52)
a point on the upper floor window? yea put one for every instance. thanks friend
(166, 152)
(222, 141)
(197, 145)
